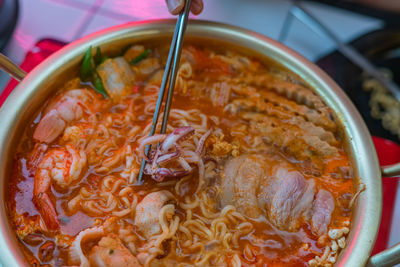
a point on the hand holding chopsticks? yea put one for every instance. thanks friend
(170, 72)
(176, 6)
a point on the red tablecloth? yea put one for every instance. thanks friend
(388, 152)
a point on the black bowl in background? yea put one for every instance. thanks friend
(382, 48)
(8, 20)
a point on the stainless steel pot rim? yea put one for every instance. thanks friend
(367, 213)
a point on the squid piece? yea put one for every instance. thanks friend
(169, 159)
(176, 136)
(148, 211)
(108, 251)
(76, 256)
(117, 77)
(111, 252)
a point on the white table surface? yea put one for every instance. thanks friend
(68, 20)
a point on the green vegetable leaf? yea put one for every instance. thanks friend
(140, 57)
(111, 251)
(99, 87)
(98, 57)
(126, 48)
(104, 58)
(87, 65)
(88, 70)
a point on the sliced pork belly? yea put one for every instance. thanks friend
(323, 207)
(287, 197)
(249, 175)
(227, 196)
(240, 183)
(284, 196)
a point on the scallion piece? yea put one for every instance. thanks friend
(88, 70)
(87, 65)
(126, 48)
(99, 87)
(98, 57)
(140, 57)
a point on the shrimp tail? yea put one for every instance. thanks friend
(42, 200)
(47, 211)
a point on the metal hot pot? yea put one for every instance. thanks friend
(40, 83)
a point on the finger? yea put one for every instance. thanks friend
(197, 6)
(175, 6)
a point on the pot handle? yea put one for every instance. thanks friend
(386, 258)
(391, 170)
(9, 67)
(391, 256)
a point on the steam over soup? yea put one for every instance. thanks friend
(252, 170)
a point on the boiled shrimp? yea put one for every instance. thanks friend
(62, 166)
(69, 107)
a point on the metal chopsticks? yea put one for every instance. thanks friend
(174, 58)
(353, 55)
(9, 67)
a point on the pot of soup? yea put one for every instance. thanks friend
(266, 162)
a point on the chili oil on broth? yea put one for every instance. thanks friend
(266, 126)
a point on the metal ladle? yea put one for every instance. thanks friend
(301, 13)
